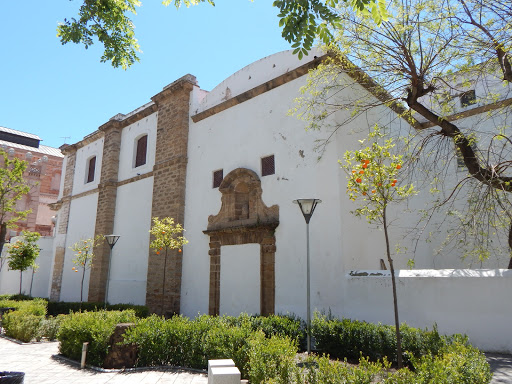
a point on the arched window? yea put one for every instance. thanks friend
(91, 168)
(141, 151)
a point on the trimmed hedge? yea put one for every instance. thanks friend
(456, 363)
(350, 339)
(63, 308)
(270, 357)
(93, 327)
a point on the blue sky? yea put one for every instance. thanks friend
(63, 93)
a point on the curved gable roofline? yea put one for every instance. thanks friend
(236, 87)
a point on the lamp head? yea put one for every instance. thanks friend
(112, 240)
(307, 207)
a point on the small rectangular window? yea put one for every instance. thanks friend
(142, 145)
(218, 176)
(91, 168)
(468, 98)
(268, 166)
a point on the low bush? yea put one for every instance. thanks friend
(92, 327)
(273, 325)
(269, 358)
(34, 306)
(22, 325)
(49, 327)
(63, 308)
(457, 363)
(191, 343)
(349, 339)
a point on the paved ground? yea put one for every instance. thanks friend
(501, 367)
(41, 368)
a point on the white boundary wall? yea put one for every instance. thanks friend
(473, 302)
(10, 280)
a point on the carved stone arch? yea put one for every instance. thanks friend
(243, 219)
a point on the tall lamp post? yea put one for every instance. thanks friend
(111, 240)
(307, 207)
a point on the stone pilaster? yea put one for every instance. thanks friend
(169, 190)
(105, 211)
(58, 263)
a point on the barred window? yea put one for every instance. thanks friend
(91, 168)
(218, 176)
(268, 166)
(140, 156)
(468, 98)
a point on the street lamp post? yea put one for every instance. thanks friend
(111, 241)
(307, 207)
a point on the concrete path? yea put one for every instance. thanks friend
(41, 368)
(501, 367)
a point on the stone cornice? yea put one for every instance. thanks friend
(186, 83)
(260, 89)
(472, 112)
(68, 149)
(242, 227)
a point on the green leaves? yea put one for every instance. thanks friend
(373, 176)
(12, 188)
(23, 253)
(107, 21)
(166, 235)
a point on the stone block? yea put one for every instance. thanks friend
(224, 375)
(218, 363)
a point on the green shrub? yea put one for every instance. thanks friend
(63, 308)
(350, 338)
(21, 325)
(49, 327)
(456, 363)
(35, 307)
(279, 325)
(93, 327)
(270, 358)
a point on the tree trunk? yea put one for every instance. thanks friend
(163, 282)
(82, 288)
(510, 246)
(3, 233)
(31, 282)
(395, 300)
(21, 279)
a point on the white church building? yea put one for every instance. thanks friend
(227, 164)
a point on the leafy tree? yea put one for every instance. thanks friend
(12, 189)
(83, 259)
(423, 63)
(373, 174)
(23, 253)
(167, 236)
(108, 22)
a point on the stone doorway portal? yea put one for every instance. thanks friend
(243, 219)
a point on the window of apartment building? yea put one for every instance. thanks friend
(141, 151)
(91, 168)
(268, 166)
(218, 176)
(468, 98)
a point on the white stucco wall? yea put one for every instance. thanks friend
(82, 220)
(10, 280)
(129, 137)
(82, 157)
(240, 137)
(240, 279)
(472, 302)
(128, 274)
